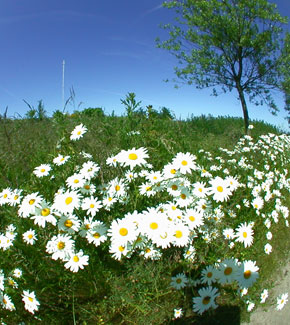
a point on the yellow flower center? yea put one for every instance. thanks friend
(220, 189)
(110, 199)
(121, 248)
(45, 212)
(42, 170)
(184, 163)
(117, 187)
(209, 274)
(68, 200)
(68, 223)
(200, 189)
(76, 181)
(30, 236)
(30, 299)
(192, 218)
(178, 234)
(174, 187)
(206, 300)
(247, 274)
(5, 196)
(76, 259)
(147, 250)
(173, 171)
(148, 188)
(133, 156)
(87, 187)
(183, 196)
(16, 197)
(92, 205)
(60, 245)
(178, 281)
(88, 226)
(153, 225)
(155, 177)
(79, 132)
(123, 232)
(4, 301)
(228, 270)
(96, 235)
(245, 235)
(31, 201)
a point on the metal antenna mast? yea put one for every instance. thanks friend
(63, 64)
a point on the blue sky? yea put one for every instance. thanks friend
(109, 50)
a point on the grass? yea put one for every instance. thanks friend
(136, 292)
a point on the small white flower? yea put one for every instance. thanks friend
(281, 302)
(269, 235)
(177, 313)
(264, 296)
(268, 248)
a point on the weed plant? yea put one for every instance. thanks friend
(236, 188)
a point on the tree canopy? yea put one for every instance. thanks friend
(230, 44)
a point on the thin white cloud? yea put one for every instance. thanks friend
(152, 10)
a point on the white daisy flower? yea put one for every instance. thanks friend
(92, 205)
(30, 302)
(66, 202)
(76, 261)
(268, 248)
(179, 281)
(29, 237)
(206, 299)
(6, 302)
(264, 296)
(281, 301)
(78, 132)
(42, 170)
(244, 234)
(184, 162)
(178, 312)
(60, 246)
(122, 231)
(247, 274)
(133, 157)
(60, 160)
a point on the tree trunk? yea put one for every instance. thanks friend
(244, 106)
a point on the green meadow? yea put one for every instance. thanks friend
(136, 289)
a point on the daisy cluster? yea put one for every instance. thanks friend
(29, 299)
(192, 202)
(228, 271)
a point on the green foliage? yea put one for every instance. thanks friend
(285, 72)
(130, 103)
(93, 112)
(228, 44)
(39, 113)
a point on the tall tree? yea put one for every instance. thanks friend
(231, 44)
(285, 72)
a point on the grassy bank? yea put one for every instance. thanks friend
(135, 289)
